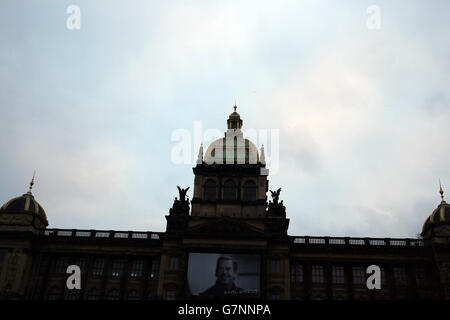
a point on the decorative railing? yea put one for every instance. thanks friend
(101, 234)
(307, 240)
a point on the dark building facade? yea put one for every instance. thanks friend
(228, 241)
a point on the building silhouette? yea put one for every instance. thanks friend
(229, 215)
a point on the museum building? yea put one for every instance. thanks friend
(229, 241)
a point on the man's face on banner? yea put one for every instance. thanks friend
(225, 273)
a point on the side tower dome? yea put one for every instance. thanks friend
(22, 213)
(438, 222)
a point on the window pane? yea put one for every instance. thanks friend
(117, 268)
(317, 274)
(155, 269)
(359, 276)
(173, 263)
(337, 274)
(99, 266)
(296, 273)
(137, 268)
(299, 273)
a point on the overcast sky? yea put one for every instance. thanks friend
(362, 114)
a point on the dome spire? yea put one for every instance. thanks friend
(441, 192)
(31, 182)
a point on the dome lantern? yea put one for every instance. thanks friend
(234, 121)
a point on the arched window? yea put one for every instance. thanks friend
(249, 191)
(210, 192)
(229, 190)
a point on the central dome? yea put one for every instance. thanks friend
(236, 150)
(233, 148)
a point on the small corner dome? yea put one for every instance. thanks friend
(25, 204)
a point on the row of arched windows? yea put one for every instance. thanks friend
(229, 190)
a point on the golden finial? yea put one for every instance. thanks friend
(32, 182)
(441, 191)
(235, 106)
